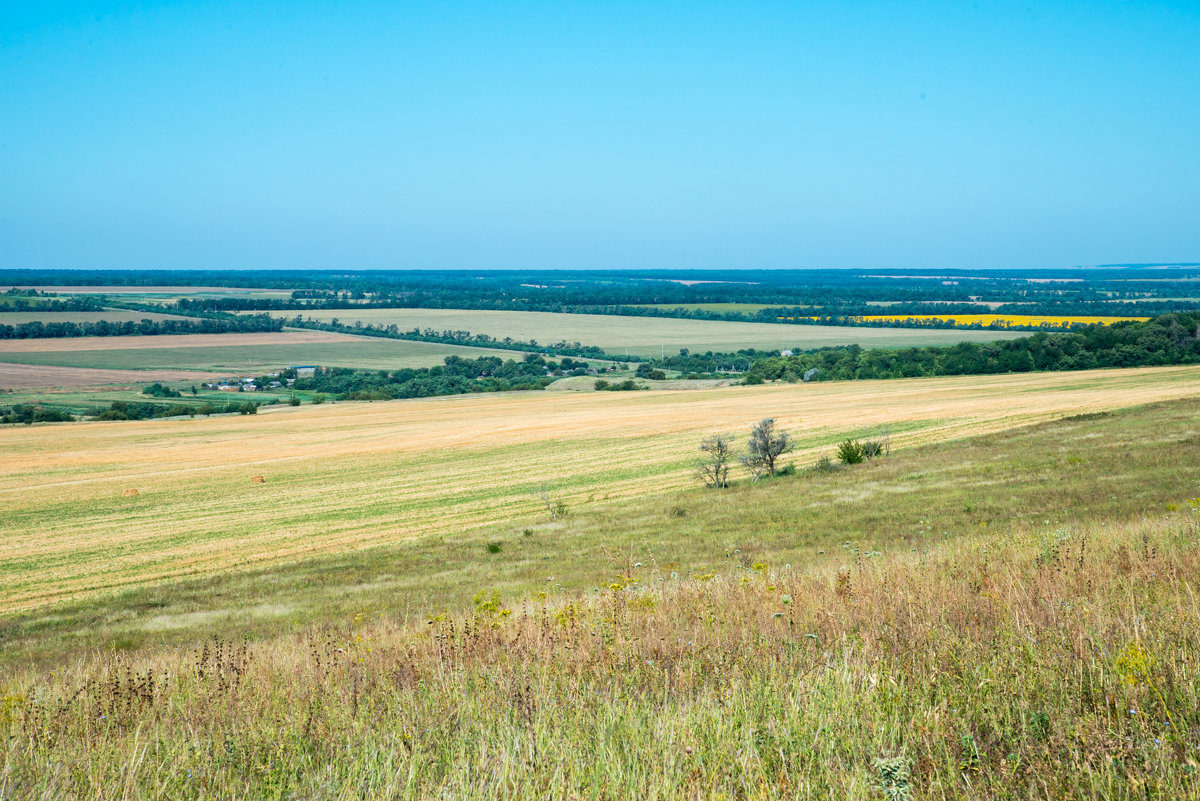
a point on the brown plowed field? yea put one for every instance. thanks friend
(39, 376)
(54, 344)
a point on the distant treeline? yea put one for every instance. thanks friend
(448, 337)
(29, 414)
(457, 376)
(111, 328)
(25, 300)
(830, 293)
(827, 309)
(1168, 339)
(144, 410)
(710, 363)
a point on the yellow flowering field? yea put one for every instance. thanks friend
(1039, 321)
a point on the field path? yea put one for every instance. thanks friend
(352, 475)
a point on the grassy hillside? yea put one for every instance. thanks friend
(646, 336)
(1010, 616)
(351, 476)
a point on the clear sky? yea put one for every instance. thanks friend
(606, 134)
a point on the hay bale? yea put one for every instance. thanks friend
(129, 493)
(258, 480)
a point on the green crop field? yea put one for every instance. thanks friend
(648, 336)
(338, 351)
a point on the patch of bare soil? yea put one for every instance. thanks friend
(38, 376)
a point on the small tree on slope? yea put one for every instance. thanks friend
(764, 448)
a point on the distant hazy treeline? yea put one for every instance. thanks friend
(111, 328)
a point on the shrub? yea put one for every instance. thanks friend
(824, 465)
(872, 449)
(851, 452)
(601, 384)
(318, 399)
(157, 390)
(294, 401)
(24, 413)
(494, 547)
(628, 385)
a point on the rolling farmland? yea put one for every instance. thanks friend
(349, 476)
(236, 352)
(647, 336)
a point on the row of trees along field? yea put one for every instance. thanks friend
(28, 414)
(1168, 339)
(37, 329)
(831, 308)
(457, 376)
(23, 300)
(451, 337)
(828, 292)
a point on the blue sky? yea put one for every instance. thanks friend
(598, 135)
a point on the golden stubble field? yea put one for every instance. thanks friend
(352, 475)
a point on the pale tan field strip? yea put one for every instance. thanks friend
(650, 336)
(56, 344)
(41, 376)
(351, 475)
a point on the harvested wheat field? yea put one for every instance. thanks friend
(346, 476)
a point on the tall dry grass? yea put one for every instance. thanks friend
(1063, 663)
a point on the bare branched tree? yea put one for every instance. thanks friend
(713, 467)
(764, 448)
(555, 508)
